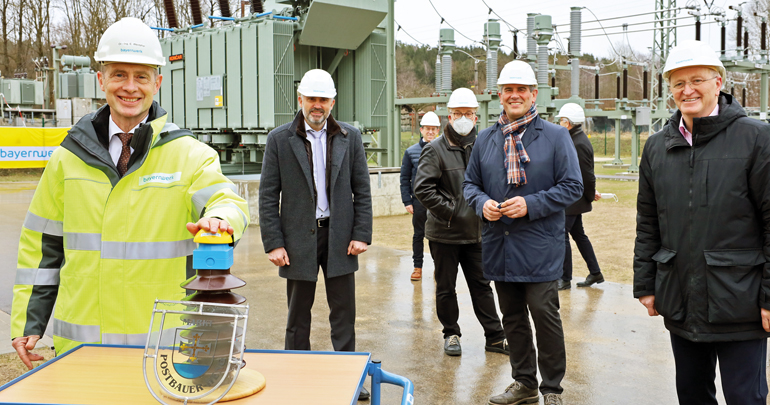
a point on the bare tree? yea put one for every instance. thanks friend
(38, 15)
(20, 50)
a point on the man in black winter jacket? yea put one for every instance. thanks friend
(702, 253)
(453, 229)
(572, 117)
(429, 129)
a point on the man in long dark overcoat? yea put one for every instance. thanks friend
(315, 209)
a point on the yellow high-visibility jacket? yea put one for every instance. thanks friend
(104, 247)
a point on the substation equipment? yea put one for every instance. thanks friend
(76, 88)
(654, 105)
(234, 82)
(21, 99)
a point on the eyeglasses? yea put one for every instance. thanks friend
(693, 84)
(469, 115)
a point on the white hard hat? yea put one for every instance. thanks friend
(130, 41)
(317, 83)
(430, 119)
(692, 53)
(462, 97)
(517, 72)
(572, 112)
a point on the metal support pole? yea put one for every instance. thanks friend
(393, 144)
(763, 96)
(617, 160)
(483, 115)
(634, 167)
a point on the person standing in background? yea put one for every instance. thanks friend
(453, 230)
(429, 129)
(572, 117)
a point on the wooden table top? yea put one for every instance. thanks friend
(109, 374)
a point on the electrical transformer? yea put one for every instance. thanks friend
(232, 84)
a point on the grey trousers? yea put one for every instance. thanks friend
(517, 301)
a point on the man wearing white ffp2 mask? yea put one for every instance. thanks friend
(453, 229)
(462, 112)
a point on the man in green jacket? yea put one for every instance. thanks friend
(109, 227)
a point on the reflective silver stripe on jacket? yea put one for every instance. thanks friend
(128, 250)
(78, 333)
(136, 339)
(43, 225)
(202, 196)
(37, 277)
(82, 241)
(147, 250)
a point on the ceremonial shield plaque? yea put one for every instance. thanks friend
(194, 350)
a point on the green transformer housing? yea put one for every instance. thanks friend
(232, 84)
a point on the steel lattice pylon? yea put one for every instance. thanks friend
(664, 38)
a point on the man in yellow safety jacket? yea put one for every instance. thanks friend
(109, 227)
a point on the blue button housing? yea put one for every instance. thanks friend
(213, 257)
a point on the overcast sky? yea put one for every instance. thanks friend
(419, 19)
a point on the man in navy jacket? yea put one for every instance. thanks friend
(430, 126)
(522, 174)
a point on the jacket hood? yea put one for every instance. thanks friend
(706, 128)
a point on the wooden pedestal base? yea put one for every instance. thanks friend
(249, 382)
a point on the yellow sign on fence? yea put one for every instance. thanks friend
(28, 147)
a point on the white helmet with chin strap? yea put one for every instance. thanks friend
(130, 41)
(692, 53)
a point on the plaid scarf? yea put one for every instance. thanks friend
(516, 155)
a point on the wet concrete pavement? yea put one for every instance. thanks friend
(616, 354)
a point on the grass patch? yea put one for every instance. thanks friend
(16, 175)
(599, 168)
(604, 143)
(12, 367)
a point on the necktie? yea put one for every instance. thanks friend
(125, 153)
(319, 164)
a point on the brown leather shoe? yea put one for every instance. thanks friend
(417, 274)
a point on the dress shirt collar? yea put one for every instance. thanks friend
(115, 129)
(309, 129)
